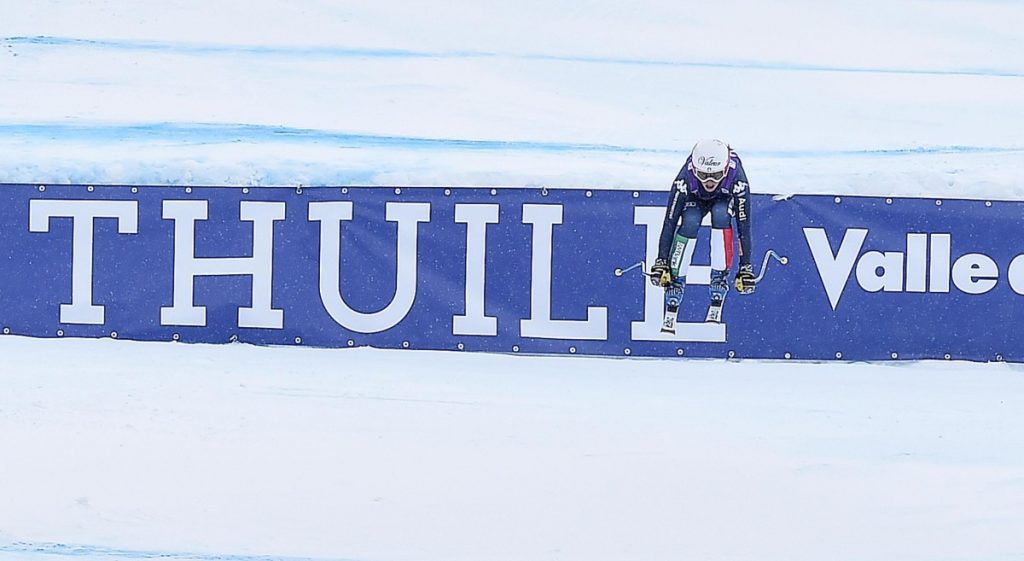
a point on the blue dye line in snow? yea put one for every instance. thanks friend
(228, 133)
(229, 49)
(51, 550)
(354, 52)
(784, 66)
(912, 151)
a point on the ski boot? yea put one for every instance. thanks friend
(718, 288)
(673, 297)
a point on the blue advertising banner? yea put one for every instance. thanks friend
(503, 270)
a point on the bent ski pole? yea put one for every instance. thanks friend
(638, 265)
(770, 254)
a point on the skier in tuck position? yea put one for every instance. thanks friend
(711, 181)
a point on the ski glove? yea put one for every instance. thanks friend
(745, 282)
(661, 273)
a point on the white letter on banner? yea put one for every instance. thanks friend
(891, 264)
(975, 273)
(654, 297)
(938, 272)
(82, 213)
(540, 324)
(330, 215)
(917, 262)
(834, 270)
(187, 266)
(1016, 274)
(476, 218)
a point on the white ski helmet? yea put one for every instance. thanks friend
(709, 161)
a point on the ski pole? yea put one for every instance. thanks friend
(770, 254)
(638, 265)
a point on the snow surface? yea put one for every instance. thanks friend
(367, 454)
(121, 450)
(877, 97)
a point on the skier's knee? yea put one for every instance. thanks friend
(680, 256)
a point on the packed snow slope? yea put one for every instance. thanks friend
(122, 450)
(198, 451)
(876, 97)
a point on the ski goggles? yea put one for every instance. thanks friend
(709, 181)
(705, 177)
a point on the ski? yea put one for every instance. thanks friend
(668, 324)
(715, 311)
